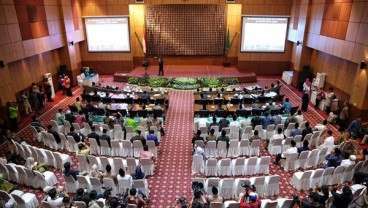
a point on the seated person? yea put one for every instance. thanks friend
(224, 138)
(93, 202)
(123, 176)
(69, 117)
(255, 136)
(146, 154)
(135, 199)
(299, 117)
(78, 137)
(266, 120)
(105, 136)
(153, 137)
(94, 135)
(82, 196)
(138, 137)
(54, 199)
(54, 133)
(354, 127)
(197, 137)
(94, 172)
(70, 172)
(211, 136)
(83, 149)
(223, 123)
(214, 197)
(60, 117)
(109, 174)
(290, 150)
(80, 118)
(31, 164)
(253, 201)
(296, 131)
(349, 161)
(256, 120)
(305, 147)
(286, 107)
(256, 105)
(334, 158)
(320, 127)
(138, 173)
(36, 123)
(131, 122)
(329, 141)
(145, 96)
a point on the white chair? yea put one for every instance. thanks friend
(36, 135)
(86, 129)
(272, 185)
(106, 161)
(82, 162)
(105, 148)
(80, 204)
(199, 143)
(96, 184)
(322, 155)
(142, 185)
(312, 159)
(284, 202)
(244, 147)
(84, 182)
(123, 185)
(61, 159)
(301, 180)
(216, 205)
(263, 164)
(197, 164)
(316, 177)
(226, 188)
(269, 132)
(98, 129)
(4, 170)
(94, 148)
(286, 143)
(210, 149)
(108, 182)
(22, 176)
(231, 204)
(289, 128)
(131, 165)
(302, 160)
(259, 128)
(44, 179)
(209, 183)
(337, 175)
(77, 128)
(275, 146)
(234, 133)
(248, 132)
(308, 137)
(31, 177)
(291, 162)
(237, 166)
(221, 149)
(66, 127)
(127, 148)
(358, 200)
(94, 160)
(70, 184)
(224, 167)
(56, 127)
(27, 200)
(147, 166)
(73, 145)
(12, 172)
(326, 176)
(348, 174)
(298, 140)
(259, 183)
(267, 203)
(63, 141)
(41, 155)
(277, 127)
(211, 167)
(233, 148)
(237, 187)
(152, 147)
(254, 148)
(137, 147)
(250, 166)
(51, 159)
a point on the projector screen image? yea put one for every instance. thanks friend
(263, 34)
(107, 34)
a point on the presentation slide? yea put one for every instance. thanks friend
(107, 34)
(263, 34)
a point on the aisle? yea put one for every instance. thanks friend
(173, 168)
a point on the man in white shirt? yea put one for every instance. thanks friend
(349, 161)
(329, 142)
(329, 98)
(202, 122)
(54, 200)
(299, 117)
(234, 123)
(320, 127)
(279, 135)
(292, 149)
(244, 123)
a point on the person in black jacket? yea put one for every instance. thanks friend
(94, 135)
(342, 200)
(54, 133)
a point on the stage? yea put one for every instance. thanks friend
(192, 71)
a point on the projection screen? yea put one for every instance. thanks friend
(107, 34)
(263, 34)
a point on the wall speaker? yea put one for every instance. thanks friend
(2, 64)
(230, 1)
(363, 65)
(139, 1)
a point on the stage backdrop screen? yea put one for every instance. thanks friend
(263, 34)
(107, 34)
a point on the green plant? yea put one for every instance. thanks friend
(159, 82)
(133, 80)
(184, 81)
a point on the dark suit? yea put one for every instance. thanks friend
(95, 136)
(107, 138)
(55, 134)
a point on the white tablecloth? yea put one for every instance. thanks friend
(287, 76)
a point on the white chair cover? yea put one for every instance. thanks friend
(301, 180)
(142, 185)
(131, 165)
(286, 143)
(66, 127)
(116, 148)
(123, 185)
(312, 158)
(152, 147)
(147, 166)
(22, 176)
(263, 164)
(267, 203)
(298, 140)
(316, 177)
(270, 131)
(221, 149)
(108, 182)
(348, 174)
(233, 148)
(105, 148)
(209, 183)
(284, 202)
(94, 148)
(237, 166)
(27, 200)
(96, 184)
(197, 164)
(254, 147)
(244, 147)
(84, 182)
(73, 145)
(338, 175)
(272, 185)
(224, 167)
(106, 161)
(211, 167)
(118, 163)
(45, 179)
(60, 159)
(127, 148)
(237, 188)
(70, 184)
(210, 149)
(95, 160)
(274, 147)
(289, 128)
(248, 132)
(82, 163)
(137, 147)
(326, 176)
(291, 162)
(226, 188)
(250, 166)
(12, 172)
(302, 160)
(259, 183)
(51, 159)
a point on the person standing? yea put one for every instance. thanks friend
(13, 115)
(34, 100)
(160, 66)
(305, 101)
(24, 99)
(48, 90)
(68, 88)
(344, 115)
(329, 98)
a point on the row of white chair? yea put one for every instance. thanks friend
(54, 159)
(21, 199)
(230, 188)
(235, 149)
(329, 176)
(228, 167)
(32, 178)
(129, 164)
(305, 159)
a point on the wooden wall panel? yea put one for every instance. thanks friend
(264, 67)
(109, 67)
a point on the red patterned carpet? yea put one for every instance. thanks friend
(172, 176)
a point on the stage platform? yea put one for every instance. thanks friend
(192, 71)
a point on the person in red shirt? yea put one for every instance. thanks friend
(253, 200)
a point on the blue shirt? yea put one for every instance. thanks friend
(265, 122)
(333, 160)
(72, 173)
(354, 127)
(153, 138)
(287, 106)
(295, 132)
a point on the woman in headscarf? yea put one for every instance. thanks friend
(307, 85)
(138, 174)
(68, 88)
(95, 172)
(31, 164)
